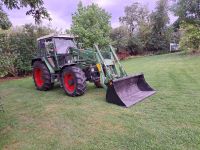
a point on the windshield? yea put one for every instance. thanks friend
(62, 45)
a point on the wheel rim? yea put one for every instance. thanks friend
(69, 82)
(38, 77)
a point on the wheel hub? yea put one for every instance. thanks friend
(69, 82)
(38, 77)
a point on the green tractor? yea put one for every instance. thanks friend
(60, 60)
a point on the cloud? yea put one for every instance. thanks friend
(105, 3)
(18, 17)
(57, 21)
(116, 24)
(101, 3)
(61, 11)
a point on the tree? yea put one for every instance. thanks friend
(187, 11)
(91, 24)
(158, 39)
(188, 23)
(120, 37)
(137, 18)
(134, 15)
(123, 40)
(190, 37)
(4, 21)
(37, 10)
(143, 33)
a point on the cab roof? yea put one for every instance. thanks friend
(56, 36)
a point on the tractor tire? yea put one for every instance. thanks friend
(41, 76)
(73, 81)
(97, 84)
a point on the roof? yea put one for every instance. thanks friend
(56, 36)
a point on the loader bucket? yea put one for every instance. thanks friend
(129, 90)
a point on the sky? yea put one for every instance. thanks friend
(61, 11)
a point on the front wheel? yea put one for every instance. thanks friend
(73, 81)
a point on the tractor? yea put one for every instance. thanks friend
(60, 59)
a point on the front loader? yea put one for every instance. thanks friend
(59, 60)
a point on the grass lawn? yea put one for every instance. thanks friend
(51, 120)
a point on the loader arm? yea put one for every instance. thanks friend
(121, 89)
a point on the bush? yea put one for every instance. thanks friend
(7, 64)
(190, 37)
(18, 47)
(17, 51)
(25, 46)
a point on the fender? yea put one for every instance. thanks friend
(68, 65)
(45, 62)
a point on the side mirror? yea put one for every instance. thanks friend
(50, 46)
(68, 50)
(80, 45)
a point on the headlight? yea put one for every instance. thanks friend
(92, 69)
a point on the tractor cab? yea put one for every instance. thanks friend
(60, 44)
(56, 48)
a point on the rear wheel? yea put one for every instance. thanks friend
(73, 81)
(41, 76)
